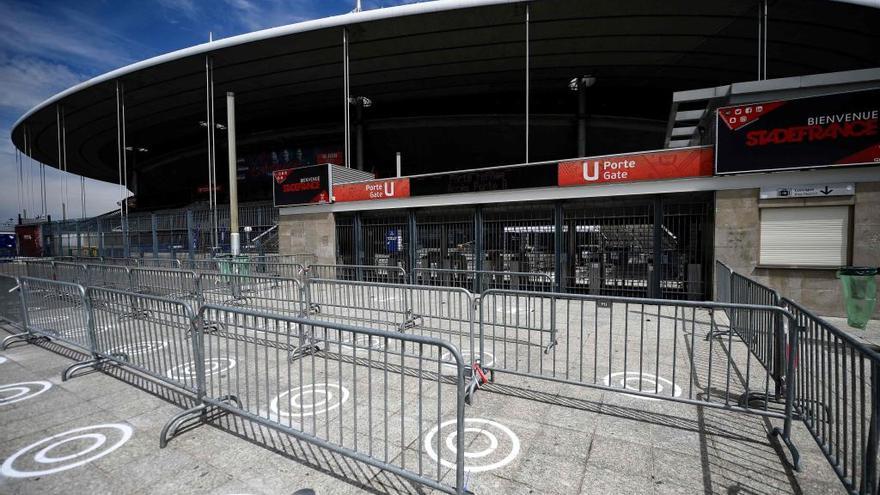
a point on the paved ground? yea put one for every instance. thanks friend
(542, 439)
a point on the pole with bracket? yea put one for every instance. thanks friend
(233, 175)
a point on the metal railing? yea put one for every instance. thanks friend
(275, 295)
(838, 398)
(479, 281)
(57, 310)
(361, 273)
(163, 282)
(365, 367)
(10, 302)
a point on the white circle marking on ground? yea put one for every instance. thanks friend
(310, 391)
(213, 366)
(493, 444)
(2, 359)
(364, 342)
(99, 440)
(632, 379)
(139, 348)
(22, 391)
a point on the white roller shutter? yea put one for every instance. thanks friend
(805, 236)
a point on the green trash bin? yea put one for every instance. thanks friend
(859, 294)
(234, 265)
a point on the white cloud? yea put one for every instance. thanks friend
(27, 81)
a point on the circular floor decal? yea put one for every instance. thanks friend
(2, 359)
(650, 384)
(213, 366)
(491, 445)
(139, 348)
(309, 400)
(67, 450)
(363, 343)
(488, 359)
(17, 392)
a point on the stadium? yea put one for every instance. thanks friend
(436, 174)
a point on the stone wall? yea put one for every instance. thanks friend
(737, 232)
(312, 233)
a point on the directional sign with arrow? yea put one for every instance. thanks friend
(808, 190)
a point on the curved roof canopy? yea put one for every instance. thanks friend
(437, 51)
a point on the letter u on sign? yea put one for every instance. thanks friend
(389, 189)
(587, 174)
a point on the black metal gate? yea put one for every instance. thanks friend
(645, 246)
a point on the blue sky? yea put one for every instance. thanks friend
(48, 46)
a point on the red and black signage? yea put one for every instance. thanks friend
(821, 131)
(492, 179)
(302, 185)
(652, 165)
(374, 189)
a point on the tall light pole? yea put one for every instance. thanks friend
(233, 175)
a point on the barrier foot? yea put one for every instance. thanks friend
(18, 337)
(795, 455)
(551, 346)
(174, 423)
(73, 368)
(172, 427)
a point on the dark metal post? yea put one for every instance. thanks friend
(100, 238)
(559, 224)
(358, 239)
(478, 248)
(657, 265)
(155, 228)
(190, 236)
(413, 251)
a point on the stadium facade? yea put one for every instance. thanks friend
(606, 148)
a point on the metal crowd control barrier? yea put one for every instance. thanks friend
(74, 273)
(722, 281)
(360, 273)
(109, 276)
(14, 268)
(762, 332)
(647, 347)
(285, 270)
(339, 399)
(57, 310)
(479, 281)
(275, 295)
(149, 334)
(166, 282)
(838, 398)
(159, 262)
(131, 262)
(40, 269)
(10, 302)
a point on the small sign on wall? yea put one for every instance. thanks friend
(808, 191)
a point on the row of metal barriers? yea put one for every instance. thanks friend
(387, 340)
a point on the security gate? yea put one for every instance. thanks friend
(643, 246)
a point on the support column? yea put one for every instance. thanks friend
(359, 135)
(412, 250)
(100, 239)
(478, 247)
(78, 240)
(558, 244)
(357, 231)
(190, 236)
(528, 80)
(582, 123)
(155, 228)
(233, 175)
(657, 248)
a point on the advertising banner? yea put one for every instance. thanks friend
(374, 189)
(653, 165)
(820, 131)
(302, 185)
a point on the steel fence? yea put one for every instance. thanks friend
(478, 281)
(666, 349)
(838, 398)
(159, 262)
(275, 295)
(442, 312)
(57, 310)
(166, 282)
(149, 334)
(344, 398)
(10, 302)
(74, 273)
(40, 269)
(109, 276)
(362, 273)
(722, 281)
(13, 268)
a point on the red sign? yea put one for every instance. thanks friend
(655, 165)
(374, 189)
(204, 189)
